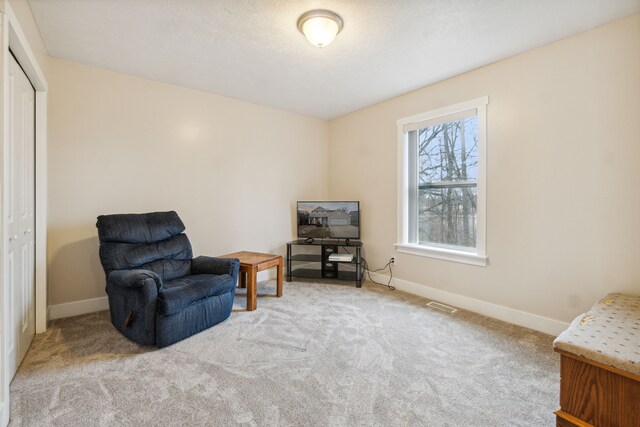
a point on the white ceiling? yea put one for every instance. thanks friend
(251, 49)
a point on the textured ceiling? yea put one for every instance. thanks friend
(251, 49)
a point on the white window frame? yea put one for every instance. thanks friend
(404, 244)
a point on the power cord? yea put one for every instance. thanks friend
(389, 265)
(365, 268)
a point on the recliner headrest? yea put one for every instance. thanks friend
(139, 228)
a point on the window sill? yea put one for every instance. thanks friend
(443, 254)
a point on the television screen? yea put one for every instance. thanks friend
(330, 220)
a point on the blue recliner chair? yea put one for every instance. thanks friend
(158, 293)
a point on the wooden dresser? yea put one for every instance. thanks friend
(600, 366)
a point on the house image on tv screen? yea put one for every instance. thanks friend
(328, 219)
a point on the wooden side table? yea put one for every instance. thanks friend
(250, 264)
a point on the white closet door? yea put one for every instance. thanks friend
(20, 216)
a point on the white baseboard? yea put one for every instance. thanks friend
(77, 308)
(266, 275)
(511, 315)
(92, 305)
(500, 312)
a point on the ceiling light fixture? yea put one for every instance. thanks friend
(320, 26)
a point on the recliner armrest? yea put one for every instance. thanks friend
(211, 265)
(134, 278)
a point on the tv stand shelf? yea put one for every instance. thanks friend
(316, 265)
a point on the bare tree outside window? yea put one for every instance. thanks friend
(447, 183)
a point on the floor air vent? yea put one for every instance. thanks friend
(441, 307)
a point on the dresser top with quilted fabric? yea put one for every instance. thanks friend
(609, 333)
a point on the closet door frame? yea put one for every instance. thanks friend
(13, 40)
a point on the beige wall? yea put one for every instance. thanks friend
(563, 174)
(232, 170)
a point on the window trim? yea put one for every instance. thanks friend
(479, 256)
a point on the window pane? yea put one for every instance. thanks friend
(447, 216)
(448, 154)
(448, 151)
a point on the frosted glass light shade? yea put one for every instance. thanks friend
(320, 27)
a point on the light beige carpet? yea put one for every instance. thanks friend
(323, 355)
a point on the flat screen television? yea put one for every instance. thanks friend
(328, 220)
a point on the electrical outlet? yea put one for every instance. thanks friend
(392, 260)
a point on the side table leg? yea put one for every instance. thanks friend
(251, 289)
(279, 280)
(242, 279)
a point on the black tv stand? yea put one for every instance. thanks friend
(312, 265)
